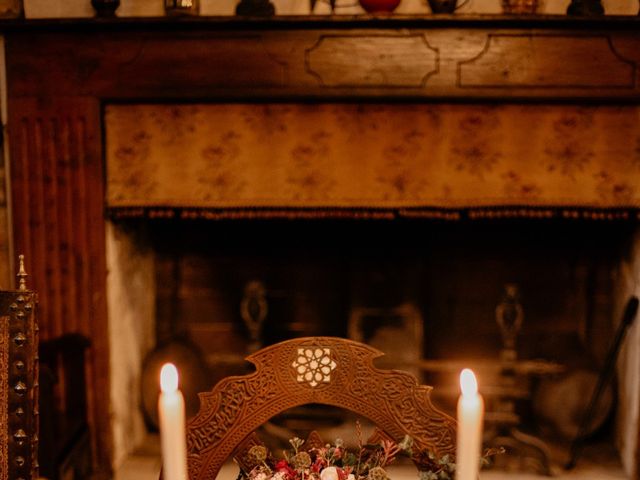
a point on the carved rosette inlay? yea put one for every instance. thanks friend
(313, 366)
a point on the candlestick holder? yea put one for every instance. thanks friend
(514, 385)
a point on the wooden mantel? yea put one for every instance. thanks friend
(431, 58)
(60, 74)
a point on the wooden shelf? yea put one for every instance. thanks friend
(67, 25)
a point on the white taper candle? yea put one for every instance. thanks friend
(470, 416)
(172, 425)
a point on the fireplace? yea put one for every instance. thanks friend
(384, 280)
(264, 194)
(200, 162)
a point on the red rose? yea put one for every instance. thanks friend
(283, 466)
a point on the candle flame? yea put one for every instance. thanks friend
(468, 383)
(169, 378)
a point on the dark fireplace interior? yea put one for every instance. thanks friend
(317, 272)
(423, 291)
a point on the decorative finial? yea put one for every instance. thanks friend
(22, 275)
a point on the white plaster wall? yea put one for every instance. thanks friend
(131, 305)
(82, 8)
(628, 421)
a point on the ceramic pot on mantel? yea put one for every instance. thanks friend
(105, 8)
(585, 8)
(443, 6)
(255, 8)
(379, 6)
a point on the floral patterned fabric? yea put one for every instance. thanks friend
(373, 155)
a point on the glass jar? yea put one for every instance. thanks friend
(182, 7)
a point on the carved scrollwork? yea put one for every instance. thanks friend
(226, 411)
(325, 370)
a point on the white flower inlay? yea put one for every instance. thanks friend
(314, 366)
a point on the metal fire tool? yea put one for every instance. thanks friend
(606, 374)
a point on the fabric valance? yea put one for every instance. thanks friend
(375, 156)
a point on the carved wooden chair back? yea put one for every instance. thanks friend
(18, 384)
(321, 370)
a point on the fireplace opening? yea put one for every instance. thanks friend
(425, 292)
(453, 274)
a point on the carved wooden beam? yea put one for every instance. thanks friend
(420, 60)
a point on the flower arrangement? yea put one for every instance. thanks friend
(336, 462)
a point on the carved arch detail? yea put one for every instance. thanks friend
(239, 405)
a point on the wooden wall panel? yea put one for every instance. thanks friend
(388, 60)
(57, 189)
(547, 61)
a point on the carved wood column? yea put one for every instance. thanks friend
(57, 188)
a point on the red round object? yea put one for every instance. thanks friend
(379, 6)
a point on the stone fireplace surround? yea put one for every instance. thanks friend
(61, 74)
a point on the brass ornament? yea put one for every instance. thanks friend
(18, 381)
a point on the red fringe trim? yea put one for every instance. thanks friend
(484, 213)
